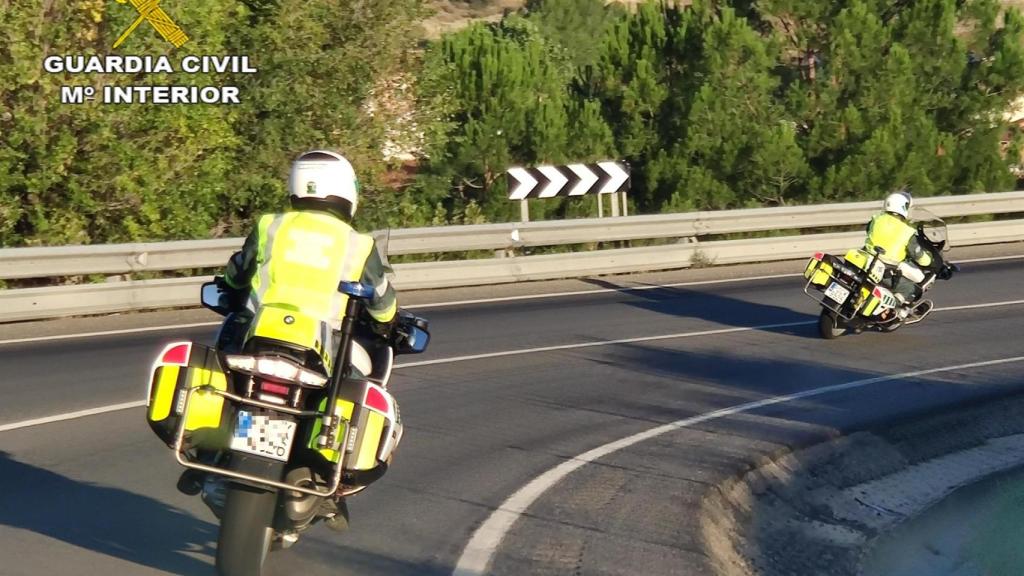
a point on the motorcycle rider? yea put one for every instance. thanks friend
(298, 258)
(895, 240)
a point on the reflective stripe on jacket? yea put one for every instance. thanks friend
(297, 259)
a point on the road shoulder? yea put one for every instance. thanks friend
(820, 509)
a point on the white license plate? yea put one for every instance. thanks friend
(837, 293)
(263, 435)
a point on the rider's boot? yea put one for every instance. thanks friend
(191, 481)
(337, 520)
(920, 310)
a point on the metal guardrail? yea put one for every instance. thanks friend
(17, 263)
(51, 302)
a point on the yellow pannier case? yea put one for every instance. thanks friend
(181, 366)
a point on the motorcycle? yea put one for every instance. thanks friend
(856, 291)
(277, 430)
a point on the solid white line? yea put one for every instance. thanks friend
(71, 415)
(601, 291)
(454, 359)
(414, 307)
(479, 551)
(477, 301)
(108, 333)
(991, 259)
(975, 306)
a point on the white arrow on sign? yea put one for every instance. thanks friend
(587, 179)
(526, 183)
(618, 177)
(557, 180)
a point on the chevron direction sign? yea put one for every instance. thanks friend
(570, 180)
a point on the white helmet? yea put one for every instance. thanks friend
(326, 178)
(899, 203)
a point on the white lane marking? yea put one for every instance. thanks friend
(478, 301)
(677, 335)
(415, 306)
(71, 415)
(453, 359)
(479, 551)
(108, 333)
(602, 291)
(974, 306)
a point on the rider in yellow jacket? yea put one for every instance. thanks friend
(895, 240)
(298, 258)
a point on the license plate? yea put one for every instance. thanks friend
(837, 293)
(263, 435)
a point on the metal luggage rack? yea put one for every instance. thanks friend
(818, 294)
(182, 458)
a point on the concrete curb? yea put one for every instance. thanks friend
(818, 510)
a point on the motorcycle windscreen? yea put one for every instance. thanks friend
(934, 228)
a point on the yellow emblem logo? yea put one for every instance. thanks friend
(150, 10)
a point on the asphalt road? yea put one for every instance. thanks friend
(95, 495)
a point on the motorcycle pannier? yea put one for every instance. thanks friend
(819, 269)
(180, 367)
(375, 429)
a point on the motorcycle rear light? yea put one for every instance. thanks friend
(270, 387)
(877, 293)
(375, 399)
(310, 378)
(280, 369)
(241, 363)
(277, 369)
(819, 256)
(177, 354)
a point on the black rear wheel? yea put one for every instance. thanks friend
(245, 531)
(829, 325)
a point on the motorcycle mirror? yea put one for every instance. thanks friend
(212, 297)
(415, 342)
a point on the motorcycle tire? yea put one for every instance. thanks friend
(246, 531)
(829, 325)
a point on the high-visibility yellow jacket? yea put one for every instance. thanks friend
(897, 238)
(297, 259)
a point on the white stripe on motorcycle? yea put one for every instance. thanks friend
(454, 359)
(479, 551)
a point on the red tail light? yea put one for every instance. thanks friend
(375, 399)
(819, 256)
(276, 389)
(877, 292)
(177, 354)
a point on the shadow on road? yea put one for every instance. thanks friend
(106, 520)
(717, 308)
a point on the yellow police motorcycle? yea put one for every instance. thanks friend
(855, 291)
(276, 434)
